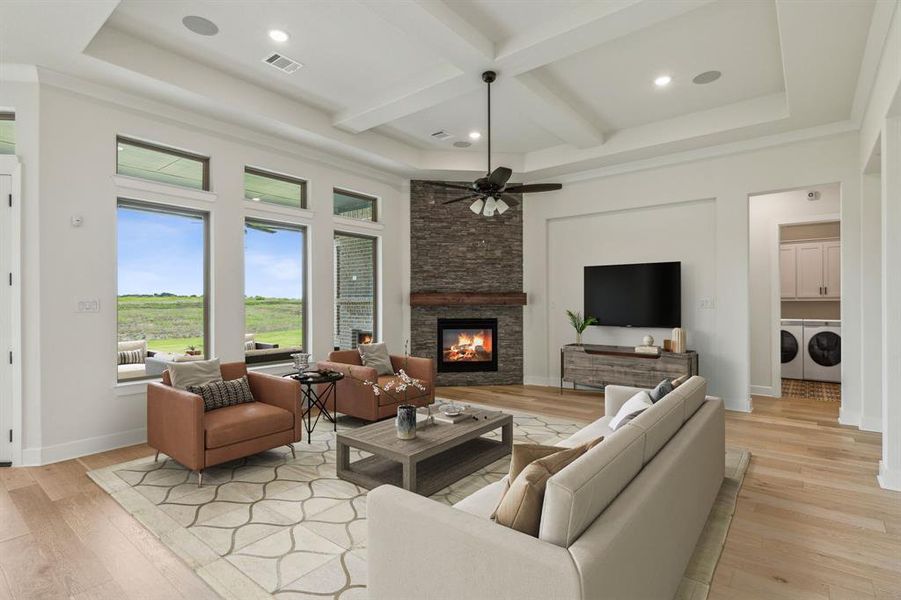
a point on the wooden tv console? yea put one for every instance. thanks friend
(589, 364)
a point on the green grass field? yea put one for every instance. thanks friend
(172, 323)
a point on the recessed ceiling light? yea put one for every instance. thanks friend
(462, 144)
(706, 77)
(663, 81)
(200, 26)
(474, 135)
(277, 35)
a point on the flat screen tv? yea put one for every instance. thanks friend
(638, 295)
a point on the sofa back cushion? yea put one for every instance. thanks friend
(345, 357)
(133, 345)
(575, 496)
(182, 375)
(659, 423)
(695, 392)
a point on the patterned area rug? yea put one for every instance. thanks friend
(273, 526)
(813, 390)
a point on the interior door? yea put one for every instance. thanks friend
(832, 269)
(788, 271)
(6, 375)
(810, 270)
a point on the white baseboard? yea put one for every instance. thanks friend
(543, 381)
(869, 423)
(848, 417)
(764, 390)
(737, 405)
(33, 457)
(889, 479)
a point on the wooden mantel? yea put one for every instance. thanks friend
(467, 299)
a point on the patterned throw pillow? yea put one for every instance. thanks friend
(250, 345)
(131, 357)
(219, 394)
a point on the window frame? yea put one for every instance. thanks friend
(7, 115)
(376, 283)
(282, 357)
(203, 160)
(303, 183)
(360, 196)
(178, 210)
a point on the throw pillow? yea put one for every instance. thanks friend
(250, 345)
(198, 372)
(525, 454)
(131, 357)
(625, 420)
(639, 401)
(220, 394)
(663, 388)
(520, 507)
(680, 380)
(377, 357)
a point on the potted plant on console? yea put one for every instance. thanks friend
(580, 324)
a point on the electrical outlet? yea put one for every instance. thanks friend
(89, 305)
(708, 303)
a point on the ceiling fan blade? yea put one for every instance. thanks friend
(452, 186)
(534, 187)
(500, 176)
(461, 198)
(511, 200)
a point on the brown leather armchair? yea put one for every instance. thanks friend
(178, 427)
(359, 400)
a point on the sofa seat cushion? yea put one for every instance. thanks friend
(233, 424)
(590, 432)
(386, 398)
(132, 370)
(483, 502)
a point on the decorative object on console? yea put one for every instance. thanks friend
(647, 350)
(580, 324)
(678, 340)
(490, 193)
(647, 340)
(406, 422)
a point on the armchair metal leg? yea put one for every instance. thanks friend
(200, 478)
(157, 457)
(293, 453)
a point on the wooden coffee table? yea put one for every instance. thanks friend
(440, 455)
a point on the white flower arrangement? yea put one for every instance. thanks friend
(399, 385)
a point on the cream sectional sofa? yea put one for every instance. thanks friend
(619, 522)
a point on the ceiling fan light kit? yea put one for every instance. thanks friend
(490, 193)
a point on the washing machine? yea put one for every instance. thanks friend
(792, 334)
(823, 350)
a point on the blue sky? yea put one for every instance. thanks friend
(164, 253)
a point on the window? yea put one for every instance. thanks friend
(262, 186)
(7, 133)
(355, 290)
(156, 163)
(355, 206)
(274, 290)
(162, 299)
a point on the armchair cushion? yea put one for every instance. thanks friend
(234, 424)
(377, 357)
(219, 394)
(199, 372)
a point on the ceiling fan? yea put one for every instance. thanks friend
(490, 193)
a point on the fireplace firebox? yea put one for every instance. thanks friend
(467, 345)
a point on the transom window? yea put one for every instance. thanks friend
(274, 188)
(165, 165)
(7, 133)
(353, 205)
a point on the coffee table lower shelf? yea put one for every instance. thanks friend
(429, 475)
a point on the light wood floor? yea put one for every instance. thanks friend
(811, 523)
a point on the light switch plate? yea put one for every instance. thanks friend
(88, 305)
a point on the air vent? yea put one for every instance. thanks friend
(282, 62)
(441, 135)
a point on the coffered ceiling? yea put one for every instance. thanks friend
(576, 78)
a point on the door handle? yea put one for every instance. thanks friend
(827, 290)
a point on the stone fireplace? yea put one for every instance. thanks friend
(465, 268)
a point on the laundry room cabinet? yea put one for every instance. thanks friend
(810, 270)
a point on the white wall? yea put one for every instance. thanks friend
(726, 182)
(627, 236)
(871, 309)
(765, 213)
(82, 408)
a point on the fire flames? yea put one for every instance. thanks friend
(470, 346)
